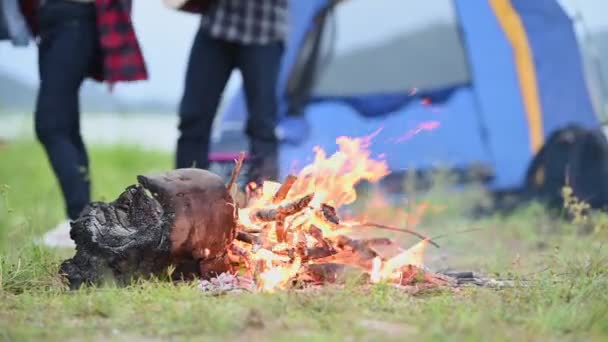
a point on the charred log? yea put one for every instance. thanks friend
(188, 222)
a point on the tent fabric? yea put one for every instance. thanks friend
(414, 136)
(380, 104)
(562, 90)
(516, 34)
(526, 82)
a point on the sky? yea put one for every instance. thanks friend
(166, 36)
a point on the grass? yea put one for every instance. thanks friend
(566, 298)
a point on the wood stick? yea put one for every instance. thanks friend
(281, 194)
(283, 210)
(236, 171)
(395, 229)
(252, 230)
(248, 238)
(280, 229)
(329, 213)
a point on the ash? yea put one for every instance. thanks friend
(226, 282)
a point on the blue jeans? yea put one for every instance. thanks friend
(210, 65)
(68, 49)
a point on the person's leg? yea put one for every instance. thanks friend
(66, 54)
(209, 68)
(260, 66)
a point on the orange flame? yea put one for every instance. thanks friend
(334, 179)
(332, 182)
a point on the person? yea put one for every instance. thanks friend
(13, 26)
(233, 34)
(78, 39)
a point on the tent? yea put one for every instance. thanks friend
(485, 92)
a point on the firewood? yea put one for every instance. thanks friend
(248, 238)
(317, 233)
(281, 211)
(280, 230)
(330, 214)
(319, 252)
(281, 194)
(187, 223)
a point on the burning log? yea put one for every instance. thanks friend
(188, 222)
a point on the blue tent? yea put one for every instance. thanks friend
(524, 80)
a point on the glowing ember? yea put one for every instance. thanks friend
(289, 230)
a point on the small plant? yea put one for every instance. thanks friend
(576, 208)
(582, 214)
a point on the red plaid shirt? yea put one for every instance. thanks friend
(122, 57)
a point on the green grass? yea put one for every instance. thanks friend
(566, 298)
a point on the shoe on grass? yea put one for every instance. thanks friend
(59, 236)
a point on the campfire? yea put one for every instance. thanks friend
(290, 234)
(282, 236)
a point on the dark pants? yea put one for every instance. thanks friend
(68, 51)
(209, 68)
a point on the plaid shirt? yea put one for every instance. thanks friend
(122, 57)
(245, 21)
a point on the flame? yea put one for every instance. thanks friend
(334, 178)
(390, 269)
(278, 276)
(285, 239)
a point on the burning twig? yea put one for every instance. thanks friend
(395, 229)
(281, 194)
(236, 171)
